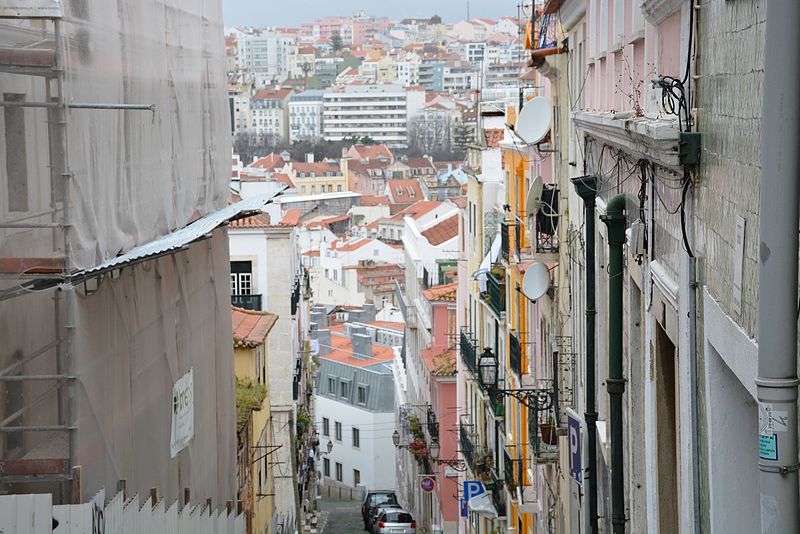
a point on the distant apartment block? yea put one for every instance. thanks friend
(305, 116)
(380, 112)
(263, 57)
(269, 110)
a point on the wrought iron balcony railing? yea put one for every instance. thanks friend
(248, 302)
(515, 355)
(510, 242)
(496, 292)
(466, 443)
(469, 356)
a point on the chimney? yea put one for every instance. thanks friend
(324, 338)
(368, 313)
(319, 317)
(362, 346)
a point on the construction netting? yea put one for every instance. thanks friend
(130, 144)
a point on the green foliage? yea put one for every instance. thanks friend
(249, 397)
(336, 42)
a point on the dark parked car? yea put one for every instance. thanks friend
(374, 498)
(394, 521)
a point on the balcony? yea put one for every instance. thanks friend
(468, 350)
(509, 472)
(547, 221)
(498, 495)
(248, 302)
(542, 437)
(515, 355)
(466, 442)
(509, 235)
(496, 292)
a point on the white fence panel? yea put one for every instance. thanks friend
(35, 514)
(26, 514)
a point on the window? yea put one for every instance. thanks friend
(362, 394)
(338, 188)
(337, 431)
(356, 437)
(326, 467)
(338, 472)
(356, 477)
(331, 385)
(345, 389)
(326, 426)
(241, 277)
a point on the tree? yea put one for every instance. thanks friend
(336, 42)
(248, 145)
(463, 135)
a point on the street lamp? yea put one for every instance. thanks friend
(535, 399)
(328, 447)
(527, 9)
(455, 463)
(396, 439)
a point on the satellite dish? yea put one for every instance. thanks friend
(534, 120)
(536, 281)
(534, 198)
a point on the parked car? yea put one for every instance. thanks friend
(395, 521)
(374, 498)
(375, 513)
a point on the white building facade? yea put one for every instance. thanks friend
(305, 116)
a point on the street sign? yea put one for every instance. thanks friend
(575, 453)
(427, 484)
(472, 488)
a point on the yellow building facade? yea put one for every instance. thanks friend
(256, 433)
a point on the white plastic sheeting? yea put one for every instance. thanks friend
(35, 514)
(136, 175)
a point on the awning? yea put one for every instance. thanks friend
(183, 237)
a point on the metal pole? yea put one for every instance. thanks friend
(586, 187)
(693, 379)
(777, 274)
(615, 221)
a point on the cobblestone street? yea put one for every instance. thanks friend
(343, 517)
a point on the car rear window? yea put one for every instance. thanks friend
(397, 517)
(380, 498)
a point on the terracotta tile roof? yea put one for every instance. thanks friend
(349, 247)
(364, 167)
(271, 94)
(493, 136)
(443, 231)
(372, 151)
(442, 364)
(291, 217)
(405, 191)
(389, 325)
(443, 293)
(250, 327)
(419, 163)
(283, 178)
(318, 168)
(234, 197)
(311, 253)
(329, 221)
(260, 220)
(306, 50)
(342, 351)
(372, 200)
(416, 210)
(269, 162)
(461, 202)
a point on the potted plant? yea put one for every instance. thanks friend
(548, 431)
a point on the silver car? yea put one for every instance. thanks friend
(395, 521)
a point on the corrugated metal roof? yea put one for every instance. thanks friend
(183, 237)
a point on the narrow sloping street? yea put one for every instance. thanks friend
(340, 517)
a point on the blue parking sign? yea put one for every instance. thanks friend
(575, 453)
(472, 488)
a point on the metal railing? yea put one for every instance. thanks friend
(498, 495)
(515, 355)
(496, 293)
(507, 239)
(466, 443)
(248, 302)
(467, 346)
(509, 472)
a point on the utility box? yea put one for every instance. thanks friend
(689, 148)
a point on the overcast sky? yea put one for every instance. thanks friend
(293, 12)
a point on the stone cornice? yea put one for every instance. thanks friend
(571, 12)
(655, 11)
(654, 139)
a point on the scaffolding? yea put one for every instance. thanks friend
(46, 463)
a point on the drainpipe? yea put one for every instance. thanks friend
(586, 187)
(615, 223)
(777, 274)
